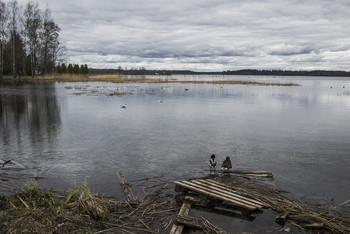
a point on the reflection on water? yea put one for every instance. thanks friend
(301, 134)
(30, 120)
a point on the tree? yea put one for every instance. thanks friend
(3, 34)
(70, 68)
(49, 42)
(86, 69)
(14, 17)
(18, 57)
(32, 23)
(63, 68)
(76, 69)
(58, 68)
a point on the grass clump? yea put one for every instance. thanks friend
(35, 210)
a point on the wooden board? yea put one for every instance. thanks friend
(185, 209)
(220, 192)
(223, 187)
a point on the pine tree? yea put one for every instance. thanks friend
(86, 69)
(76, 69)
(70, 68)
(58, 69)
(63, 68)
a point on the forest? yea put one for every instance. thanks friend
(249, 72)
(29, 40)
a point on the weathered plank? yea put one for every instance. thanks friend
(184, 210)
(223, 187)
(227, 193)
(224, 212)
(189, 221)
(189, 185)
(251, 172)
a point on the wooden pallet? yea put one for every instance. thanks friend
(220, 191)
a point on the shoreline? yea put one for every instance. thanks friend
(38, 210)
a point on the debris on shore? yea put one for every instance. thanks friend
(35, 210)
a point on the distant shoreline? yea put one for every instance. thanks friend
(249, 72)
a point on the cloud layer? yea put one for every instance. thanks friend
(205, 35)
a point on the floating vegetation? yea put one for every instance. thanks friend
(96, 91)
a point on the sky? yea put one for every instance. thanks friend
(203, 35)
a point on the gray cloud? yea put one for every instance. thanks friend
(205, 35)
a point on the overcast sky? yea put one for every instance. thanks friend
(205, 35)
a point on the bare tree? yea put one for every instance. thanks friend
(50, 46)
(3, 34)
(14, 17)
(32, 23)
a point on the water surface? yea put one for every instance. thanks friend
(77, 131)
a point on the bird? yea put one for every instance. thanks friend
(343, 86)
(6, 162)
(160, 100)
(123, 106)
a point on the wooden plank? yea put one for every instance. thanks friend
(209, 193)
(223, 187)
(251, 172)
(190, 221)
(259, 202)
(226, 193)
(184, 210)
(246, 217)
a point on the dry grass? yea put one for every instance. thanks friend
(36, 210)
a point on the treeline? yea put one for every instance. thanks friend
(72, 69)
(143, 71)
(29, 40)
(287, 73)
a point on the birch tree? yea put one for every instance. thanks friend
(32, 25)
(13, 27)
(3, 34)
(50, 45)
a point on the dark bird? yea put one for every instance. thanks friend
(6, 162)
(123, 106)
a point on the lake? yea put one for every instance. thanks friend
(74, 132)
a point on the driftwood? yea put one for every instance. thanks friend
(126, 189)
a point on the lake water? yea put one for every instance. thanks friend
(78, 131)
